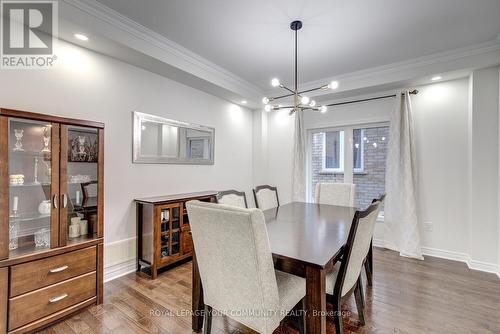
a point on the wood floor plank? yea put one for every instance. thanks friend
(408, 297)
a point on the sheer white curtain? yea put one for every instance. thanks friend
(401, 220)
(299, 159)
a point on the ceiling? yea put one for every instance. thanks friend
(252, 39)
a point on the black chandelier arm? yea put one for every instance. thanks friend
(288, 89)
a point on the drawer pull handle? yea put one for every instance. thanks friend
(58, 298)
(58, 270)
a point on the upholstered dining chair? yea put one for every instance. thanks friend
(236, 267)
(345, 277)
(369, 256)
(266, 197)
(232, 197)
(341, 194)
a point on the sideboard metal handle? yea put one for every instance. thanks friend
(55, 201)
(58, 298)
(64, 200)
(58, 270)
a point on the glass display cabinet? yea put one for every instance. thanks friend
(51, 217)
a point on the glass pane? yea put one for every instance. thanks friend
(165, 232)
(30, 169)
(176, 231)
(369, 154)
(83, 146)
(326, 149)
(332, 150)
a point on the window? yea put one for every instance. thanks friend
(330, 162)
(333, 151)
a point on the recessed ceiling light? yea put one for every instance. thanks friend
(81, 37)
(244, 102)
(436, 78)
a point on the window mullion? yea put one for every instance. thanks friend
(348, 155)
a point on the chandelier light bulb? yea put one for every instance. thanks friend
(265, 100)
(275, 82)
(312, 104)
(267, 107)
(304, 100)
(333, 85)
(323, 109)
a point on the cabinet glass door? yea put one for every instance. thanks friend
(79, 183)
(170, 231)
(176, 231)
(33, 185)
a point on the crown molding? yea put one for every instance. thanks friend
(471, 57)
(193, 63)
(117, 27)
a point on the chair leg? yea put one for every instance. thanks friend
(207, 325)
(368, 270)
(337, 316)
(369, 265)
(362, 290)
(360, 302)
(301, 319)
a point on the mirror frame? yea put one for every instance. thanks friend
(137, 131)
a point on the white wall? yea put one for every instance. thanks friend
(483, 134)
(441, 114)
(90, 86)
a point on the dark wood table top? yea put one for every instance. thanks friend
(310, 233)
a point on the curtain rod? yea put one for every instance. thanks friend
(413, 92)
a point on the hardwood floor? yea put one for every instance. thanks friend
(408, 296)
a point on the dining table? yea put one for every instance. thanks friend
(306, 240)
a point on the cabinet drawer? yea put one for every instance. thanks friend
(40, 303)
(37, 274)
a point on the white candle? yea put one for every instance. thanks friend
(15, 203)
(78, 197)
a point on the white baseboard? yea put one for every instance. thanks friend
(454, 256)
(119, 270)
(120, 258)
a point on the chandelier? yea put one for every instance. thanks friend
(300, 101)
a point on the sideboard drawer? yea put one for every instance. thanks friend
(37, 304)
(37, 274)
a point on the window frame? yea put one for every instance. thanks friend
(362, 150)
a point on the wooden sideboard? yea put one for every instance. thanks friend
(49, 270)
(163, 231)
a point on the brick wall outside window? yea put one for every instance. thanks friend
(369, 183)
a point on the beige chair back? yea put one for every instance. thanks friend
(266, 197)
(341, 194)
(232, 197)
(235, 263)
(357, 246)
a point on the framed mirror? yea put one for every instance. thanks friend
(165, 141)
